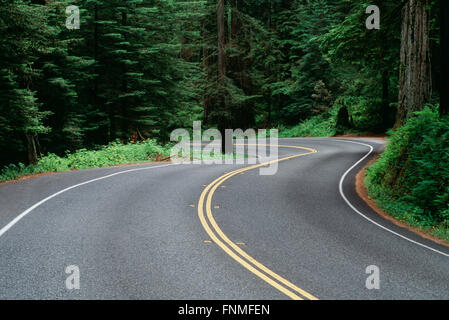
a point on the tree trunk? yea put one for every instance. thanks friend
(221, 65)
(343, 121)
(96, 54)
(221, 41)
(206, 72)
(124, 114)
(31, 148)
(385, 75)
(444, 43)
(415, 82)
(269, 100)
(387, 119)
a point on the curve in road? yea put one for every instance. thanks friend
(134, 235)
(233, 250)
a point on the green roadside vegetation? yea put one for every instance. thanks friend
(137, 70)
(410, 180)
(317, 126)
(113, 154)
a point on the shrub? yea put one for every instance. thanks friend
(415, 167)
(318, 126)
(112, 154)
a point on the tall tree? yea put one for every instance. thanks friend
(444, 43)
(221, 41)
(27, 40)
(415, 81)
(365, 63)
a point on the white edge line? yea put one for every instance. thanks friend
(364, 216)
(27, 211)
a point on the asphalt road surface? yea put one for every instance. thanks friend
(163, 231)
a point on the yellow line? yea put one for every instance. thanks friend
(226, 244)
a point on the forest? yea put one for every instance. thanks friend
(137, 69)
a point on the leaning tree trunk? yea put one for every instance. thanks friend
(444, 36)
(415, 82)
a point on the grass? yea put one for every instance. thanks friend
(113, 154)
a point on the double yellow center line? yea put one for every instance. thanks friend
(234, 251)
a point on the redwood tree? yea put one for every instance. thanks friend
(444, 42)
(415, 81)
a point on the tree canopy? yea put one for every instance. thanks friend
(138, 69)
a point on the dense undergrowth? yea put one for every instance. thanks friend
(327, 125)
(113, 154)
(410, 180)
(322, 125)
(317, 126)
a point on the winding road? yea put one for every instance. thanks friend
(166, 231)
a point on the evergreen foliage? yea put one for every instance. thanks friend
(414, 168)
